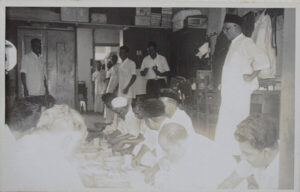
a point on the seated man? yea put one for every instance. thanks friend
(174, 114)
(42, 159)
(258, 140)
(194, 158)
(171, 100)
(152, 112)
(124, 133)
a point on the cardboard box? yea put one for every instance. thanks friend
(143, 11)
(143, 20)
(98, 18)
(74, 14)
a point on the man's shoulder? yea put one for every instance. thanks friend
(160, 56)
(246, 40)
(130, 61)
(28, 55)
(147, 58)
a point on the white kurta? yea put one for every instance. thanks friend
(113, 76)
(242, 58)
(202, 166)
(37, 162)
(180, 117)
(100, 87)
(139, 84)
(266, 178)
(262, 36)
(35, 72)
(126, 70)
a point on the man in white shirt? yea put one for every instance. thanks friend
(155, 69)
(127, 75)
(98, 78)
(33, 71)
(191, 162)
(243, 63)
(258, 138)
(173, 114)
(112, 77)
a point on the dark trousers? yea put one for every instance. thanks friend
(153, 87)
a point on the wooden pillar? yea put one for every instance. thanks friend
(287, 106)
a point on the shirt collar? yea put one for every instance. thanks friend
(157, 55)
(35, 55)
(237, 38)
(125, 60)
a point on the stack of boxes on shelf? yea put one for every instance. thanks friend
(166, 19)
(156, 17)
(143, 16)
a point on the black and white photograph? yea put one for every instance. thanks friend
(173, 96)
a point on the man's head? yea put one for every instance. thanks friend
(170, 99)
(36, 46)
(151, 48)
(99, 65)
(232, 26)
(258, 139)
(124, 51)
(114, 59)
(173, 140)
(149, 108)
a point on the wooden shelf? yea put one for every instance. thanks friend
(87, 24)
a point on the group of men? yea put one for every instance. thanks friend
(254, 139)
(125, 80)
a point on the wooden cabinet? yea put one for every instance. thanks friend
(266, 102)
(184, 47)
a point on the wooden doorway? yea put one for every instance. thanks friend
(58, 53)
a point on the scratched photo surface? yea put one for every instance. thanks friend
(176, 96)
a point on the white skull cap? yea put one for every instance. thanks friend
(119, 102)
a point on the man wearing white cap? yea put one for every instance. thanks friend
(243, 62)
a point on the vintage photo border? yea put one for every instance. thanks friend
(159, 3)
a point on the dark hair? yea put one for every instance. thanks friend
(152, 44)
(125, 48)
(259, 130)
(35, 41)
(114, 57)
(170, 93)
(107, 98)
(150, 108)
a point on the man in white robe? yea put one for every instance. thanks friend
(243, 63)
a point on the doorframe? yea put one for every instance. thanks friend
(46, 29)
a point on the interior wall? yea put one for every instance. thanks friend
(287, 107)
(107, 36)
(84, 56)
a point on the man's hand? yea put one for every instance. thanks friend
(248, 77)
(26, 94)
(136, 160)
(155, 70)
(47, 91)
(125, 91)
(150, 174)
(144, 72)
